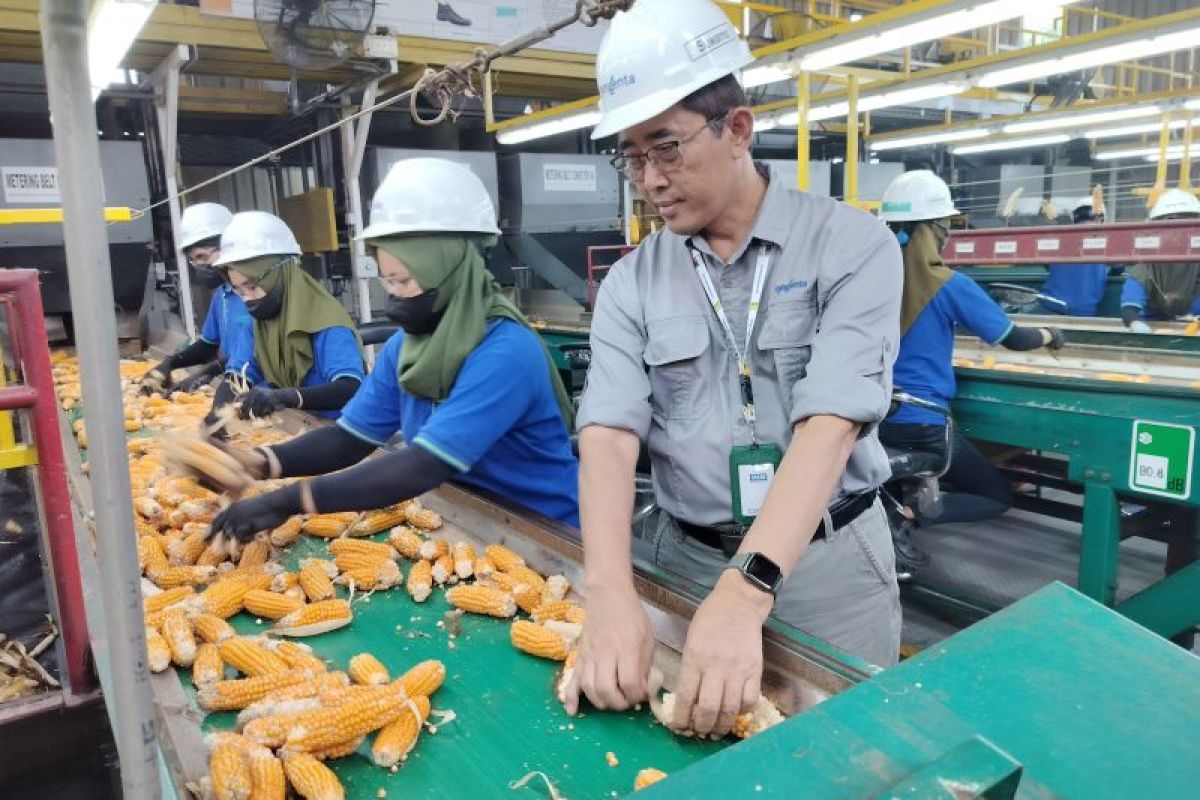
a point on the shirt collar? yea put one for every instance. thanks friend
(771, 225)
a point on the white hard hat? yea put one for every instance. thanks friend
(253, 234)
(658, 53)
(427, 195)
(1175, 201)
(1082, 202)
(916, 196)
(202, 221)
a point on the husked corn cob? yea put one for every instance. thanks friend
(298, 655)
(287, 533)
(482, 600)
(295, 592)
(315, 618)
(316, 580)
(443, 571)
(367, 670)
(177, 630)
(378, 521)
(176, 517)
(143, 528)
(484, 568)
(132, 425)
(647, 777)
(258, 577)
(320, 683)
(214, 554)
(380, 575)
(557, 587)
(559, 610)
(420, 581)
(211, 628)
(407, 542)
(464, 559)
(284, 581)
(255, 553)
(325, 728)
(396, 740)
(273, 731)
(251, 658)
(235, 695)
(208, 666)
(311, 779)
(525, 585)
(433, 549)
(362, 548)
(228, 767)
(538, 640)
(149, 509)
(329, 526)
(339, 751)
(187, 550)
(423, 518)
(765, 714)
(266, 775)
(270, 605)
(198, 511)
(158, 652)
(351, 561)
(503, 557)
(168, 597)
(423, 679)
(151, 556)
(222, 599)
(197, 456)
(173, 577)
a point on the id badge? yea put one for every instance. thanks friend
(751, 470)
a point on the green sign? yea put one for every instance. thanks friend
(1160, 459)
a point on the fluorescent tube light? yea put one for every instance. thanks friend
(113, 26)
(1079, 120)
(1129, 152)
(1175, 154)
(762, 74)
(1192, 105)
(929, 138)
(1134, 130)
(549, 127)
(873, 102)
(1011, 144)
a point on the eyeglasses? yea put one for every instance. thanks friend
(203, 257)
(252, 284)
(665, 156)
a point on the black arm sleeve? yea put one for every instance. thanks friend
(328, 396)
(320, 451)
(381, 481)
(198, 352)
(1129, 314)
(1022, 338)
(224, 395)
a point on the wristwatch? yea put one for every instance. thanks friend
(758, 570)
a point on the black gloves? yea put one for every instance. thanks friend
(245, 519)
(200, 378)
(263, 402)
(158, 380)
(1057, 340)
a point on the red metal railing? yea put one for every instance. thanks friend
(1117, 243)
(593, 268)
(19, 288)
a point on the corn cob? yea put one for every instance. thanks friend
(187, 550)
(212, 629)
(384, 575)
(464, 559)
(196, 456)
(176, 518)
(764, 715)
(422, 518)
(433, 549)
(329, 526)
(273, 731)
(328, 727)
(266, 775)
(367, 670)
(361, 547)
(288, 532)
(315, 618)
(316, 580)
(407, 543)
(228, 767)
(143, 528)
(259, 577)
(647, 777)
(213, 555)
(525, 585)
(198, 511)
(378, 521)
(420, 581)
(255, 554)
(173, 577)
(395, 741)
(296, 593)
(251, 658)
(167, 598)
(423, 679)
(297, 655)
(235, 695)
(566, 676)
(151, 557)
(503, 557)
(158, 652)
(538, 640)
(132, 425)
(557, 587)
(270, 605)
(482, 600)
(208, 666)
(310, 778)
(339, 751)
(148, 509)
(284, 581)
(351, 561)
(484, 568)
(320, 683)
(222, 599)
(177, 630)
(559, 610)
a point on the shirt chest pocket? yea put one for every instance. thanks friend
(673, 356)
(785, 340)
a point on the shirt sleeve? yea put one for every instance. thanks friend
(494, 389)
(617, 392)
(211, 331)
(1133, 293)
(337, 355)
(849, 374)
(972, 308)
(241, 356)
(373, 414)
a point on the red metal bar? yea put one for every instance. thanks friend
(13, 398)
(1122, 242)
(29, 327)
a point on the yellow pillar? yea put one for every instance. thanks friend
(1185, 164)
(802, 139)
(850, 182)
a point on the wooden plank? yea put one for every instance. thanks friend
(311, 217)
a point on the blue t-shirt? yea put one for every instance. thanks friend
(925, 364)
(1133, 293)
(335, 355)
(501, 426)
(1080, 286)
(227, 315)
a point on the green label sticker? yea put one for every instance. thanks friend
(1160, 459)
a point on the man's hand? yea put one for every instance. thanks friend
(722, 658)
(615, 650)
(263, 402)
(246, 518)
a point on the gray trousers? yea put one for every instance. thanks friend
(843, 591)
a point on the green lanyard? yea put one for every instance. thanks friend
(761, 267)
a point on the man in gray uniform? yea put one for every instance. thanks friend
(751, 344)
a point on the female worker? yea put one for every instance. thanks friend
(468, 382)
(302, 350)
(917, 207)
(1163, 291)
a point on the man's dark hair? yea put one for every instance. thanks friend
(715, 100)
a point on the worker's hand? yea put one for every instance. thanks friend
(1057, 339)
(263, 402)
(157, 380)
(246, 518)
(197, 380)
(1137, 326)
(722, 658)
(613, 666)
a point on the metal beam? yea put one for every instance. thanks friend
(354, 148)
(1171, 241)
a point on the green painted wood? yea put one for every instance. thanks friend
(974, 769)
(1101, 539)
(1169, 607)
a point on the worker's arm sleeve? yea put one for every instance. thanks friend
(1133, 300)
(972, 308)
(328, 396)
(849, 374)
(337, 354)
(382, 481)
(211, 330)
(320, 451)
(198, 352)
(617, 393)
(1023, 338)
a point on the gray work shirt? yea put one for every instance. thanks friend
(824, 343)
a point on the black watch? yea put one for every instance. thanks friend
(758, 570)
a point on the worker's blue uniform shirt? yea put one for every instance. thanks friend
(1133, 293)
(227, 315)
(924, 366)
(335, 355)
(500, 427)
(1080, 286)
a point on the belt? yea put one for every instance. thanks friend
(728, 538)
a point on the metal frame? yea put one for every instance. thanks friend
(354, 147)
(1161, 242)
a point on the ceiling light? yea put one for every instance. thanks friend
(1134, 130)
(873, 102)
(1192, 105)
(549, 127)
(1011, 144)
(928, 139)
(764, 124)
(1129, 152)
(1174, 154)
(762, 74)
(1077, 120)
(113, 26)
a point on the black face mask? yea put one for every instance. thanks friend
(415, 314)
(206, 276)
(267, 307)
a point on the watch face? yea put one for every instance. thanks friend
(763, 570)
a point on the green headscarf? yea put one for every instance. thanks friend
(450, 263)
(924, 272)
(1170, 288)
(283, 344)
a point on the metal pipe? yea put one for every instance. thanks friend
(354, 148)
(803, 155)
(77, 153)
(850, 179)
